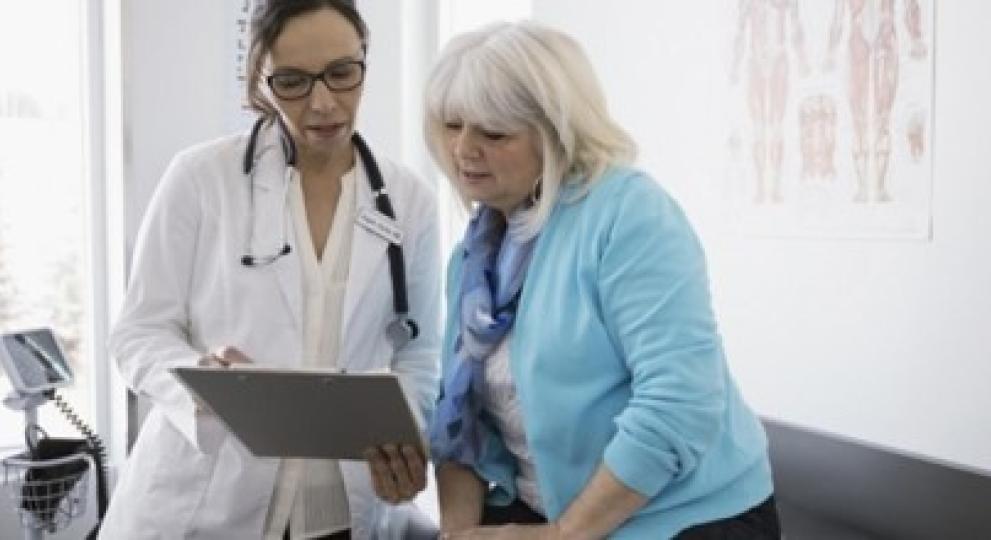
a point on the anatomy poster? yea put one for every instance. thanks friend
(829, 118)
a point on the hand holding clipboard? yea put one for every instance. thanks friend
(316, 414)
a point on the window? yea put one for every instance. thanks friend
(49, 246)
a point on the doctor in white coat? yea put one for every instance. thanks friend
(263, 255)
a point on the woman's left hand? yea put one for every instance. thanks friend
(398, 471)
(549, 531)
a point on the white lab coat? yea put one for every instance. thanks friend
(190, 294)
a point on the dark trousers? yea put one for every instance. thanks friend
(758, 523)
(517, 512)
(340, 535)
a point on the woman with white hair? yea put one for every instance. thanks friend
(585, 390)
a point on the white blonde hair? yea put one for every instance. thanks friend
(508, 77)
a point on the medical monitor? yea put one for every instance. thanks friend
(34, 361)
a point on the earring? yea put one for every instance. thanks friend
(535, 192)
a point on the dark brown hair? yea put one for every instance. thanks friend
(267, 22)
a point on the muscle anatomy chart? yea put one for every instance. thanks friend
(829, 113)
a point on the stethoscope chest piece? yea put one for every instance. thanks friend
(400, 331)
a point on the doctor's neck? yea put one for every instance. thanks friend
(318, 164)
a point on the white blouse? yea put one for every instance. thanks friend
(309, 493)
(502, 403)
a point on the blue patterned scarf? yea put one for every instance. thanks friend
(492, 276)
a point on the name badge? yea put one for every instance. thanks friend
(380, 225)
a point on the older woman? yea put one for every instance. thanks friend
(585, 390)
(252, 251)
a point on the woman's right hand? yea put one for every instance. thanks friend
(225, 357)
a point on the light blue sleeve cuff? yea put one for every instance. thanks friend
(636, 466)
(498, 467)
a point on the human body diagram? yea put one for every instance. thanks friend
(872, 84)
(831, 97)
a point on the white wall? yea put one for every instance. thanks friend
(882, 341)
(173, 53)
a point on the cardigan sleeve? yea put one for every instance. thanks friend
(655, 299)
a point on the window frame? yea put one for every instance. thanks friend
(103, 154)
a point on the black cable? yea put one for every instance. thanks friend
(397, 265)
(96, 450)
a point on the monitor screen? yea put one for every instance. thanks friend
(34, 361)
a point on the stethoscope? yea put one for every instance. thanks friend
(402, 329)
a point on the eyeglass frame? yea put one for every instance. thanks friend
(322, 76)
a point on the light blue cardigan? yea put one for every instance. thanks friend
(616, 358)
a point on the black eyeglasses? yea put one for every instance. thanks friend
(297, 84)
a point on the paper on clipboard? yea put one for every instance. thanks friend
(307, 413)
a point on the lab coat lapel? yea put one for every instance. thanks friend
(272, 223)
(368, 259)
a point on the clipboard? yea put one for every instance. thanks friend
(306, 413)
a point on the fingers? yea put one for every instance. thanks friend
(225, 357)
(231, 355)
(417, 466)
(398, 474)
(382, 480)
(405, 484)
